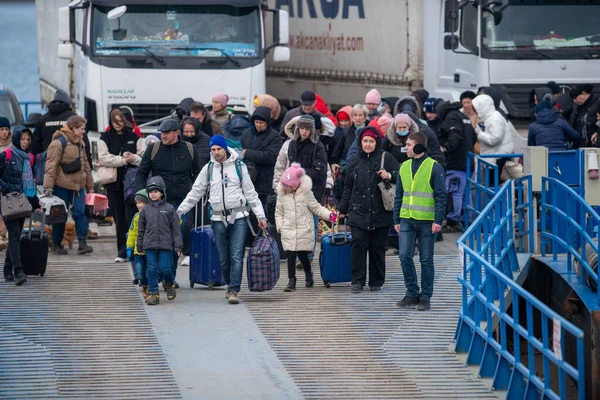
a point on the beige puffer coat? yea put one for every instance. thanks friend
(293, 216)
(55, 175)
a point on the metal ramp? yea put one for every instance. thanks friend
(341, 345)
(79, 332)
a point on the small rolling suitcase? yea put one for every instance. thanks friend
(205, 267)
(335, 258)
(34, 246)
(262, 265)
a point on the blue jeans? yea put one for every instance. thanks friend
(155, 260)
(185, 234)
(139, 269)
(77, 198)
(231, 241)
(410, 231)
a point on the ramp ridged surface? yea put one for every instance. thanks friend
(80, 332)
(341, 345)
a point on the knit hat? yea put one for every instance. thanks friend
(373, 97)
(430, 103)
(221, 98)
(553, 86)
(369, 131)
(306, 121)
(384, 123)
(4, 122)
(62, 96)
(402, 118)
(142, 196)
(218, 140)
(291, 177)
(342, 116)
(544, 105)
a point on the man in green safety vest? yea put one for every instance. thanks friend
(419, 209)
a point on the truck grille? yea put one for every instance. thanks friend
(144, 113)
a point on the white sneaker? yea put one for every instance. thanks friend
(120, 260)
(186, 261)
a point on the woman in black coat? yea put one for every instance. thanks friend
(362, 202)
(118, 148)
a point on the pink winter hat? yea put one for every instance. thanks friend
(373, 97)
(221, 98)
(292, 176)
(384, 123)
(403, 118)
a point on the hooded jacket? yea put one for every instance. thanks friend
(294, 216)
(158, 224)
(395, 144)
(310, 154)
(362, 201)
(496, 137)
(55, 175)
(132, 234)
(407, 103)
(583, 119)
(262, 149)
(433, 144)
(184, 105)
(200, 140)
(174, 164)
(541, 94)
(16, 137)
(225, 191)
(321, 106)
(457, 135)
(277, 111)
(551, 132)
(111, 148)
(391, 103)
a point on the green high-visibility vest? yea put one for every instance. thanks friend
(418, 201)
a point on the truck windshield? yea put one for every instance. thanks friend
(163, 31)
(543, 29)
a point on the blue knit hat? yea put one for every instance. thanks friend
(218, 140)
(430, 103)
(544, 105)
(4, 122)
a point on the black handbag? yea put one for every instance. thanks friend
(73, 166)
(14, 205)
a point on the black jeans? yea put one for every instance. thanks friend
(291, 263)
(123, 214)
(12, 262)
(374, 243)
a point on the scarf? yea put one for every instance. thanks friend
(28, 183)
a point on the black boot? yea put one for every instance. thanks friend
(310, 282)
(83, 247)
(20, 277)
(8, 274)
(291, 286)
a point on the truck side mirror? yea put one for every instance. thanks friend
(281, 27)
(281, 53)
(450, 42)
(66, 51)
(64, 24)
(450, 16)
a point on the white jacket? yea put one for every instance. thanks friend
(293, 216)
(225, 179)
(283, 161)
(497, 137)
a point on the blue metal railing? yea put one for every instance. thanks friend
(579, 219)
(488, 251)
(30, 106)
(483, 184)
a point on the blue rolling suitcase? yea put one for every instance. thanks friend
(335, 258)
(205, 267)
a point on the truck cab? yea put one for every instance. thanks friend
(150, 54)
(511, 45)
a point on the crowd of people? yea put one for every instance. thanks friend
(385, 164)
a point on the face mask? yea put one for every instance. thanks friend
(402, 133)
(598, 124)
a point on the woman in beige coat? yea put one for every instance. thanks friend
(296, 205)
(68, 176)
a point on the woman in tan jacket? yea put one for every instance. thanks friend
(68, 176)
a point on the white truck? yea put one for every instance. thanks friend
(343, 48)
(150, 55)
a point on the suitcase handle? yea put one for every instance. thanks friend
(337, 224)
(203, 200)
(36, 216)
